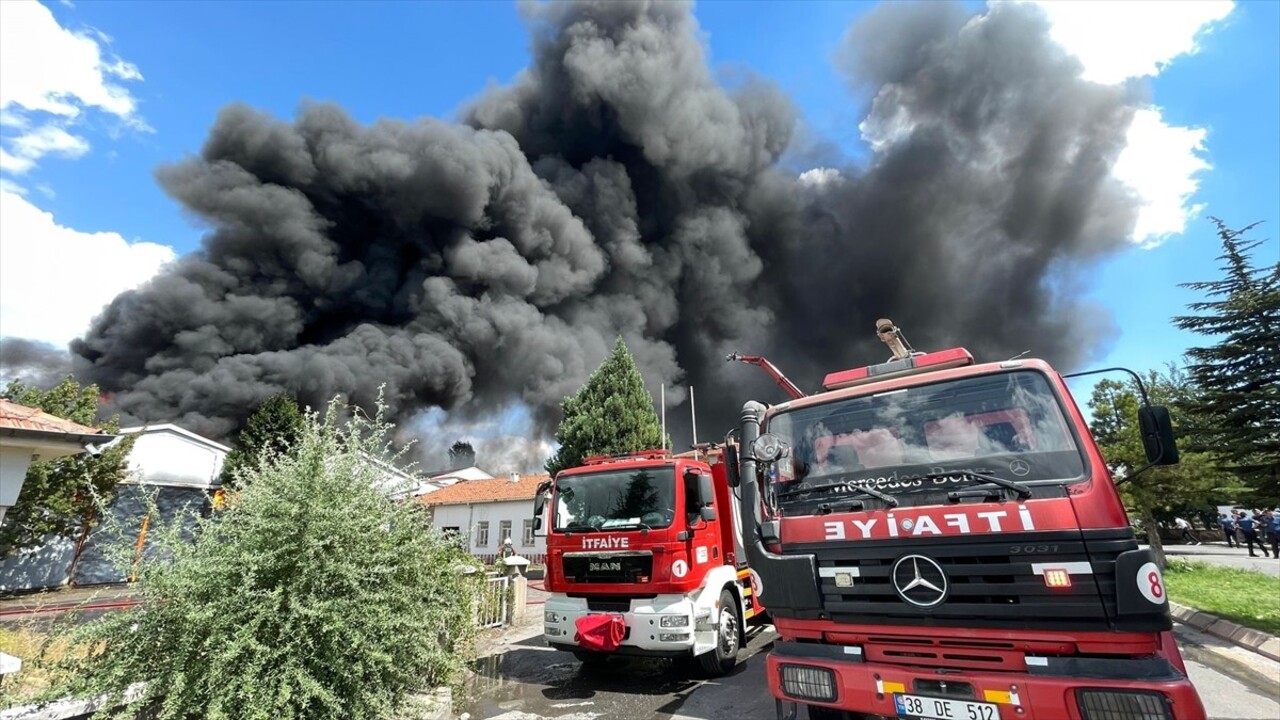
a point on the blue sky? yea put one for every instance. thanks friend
(181, 62)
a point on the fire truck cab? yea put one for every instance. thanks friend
(645, 557)
(947, 542)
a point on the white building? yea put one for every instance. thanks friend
(168, 456)
(30, 435)
(488, 511)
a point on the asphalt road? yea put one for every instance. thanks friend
(1220, 554)
(528, 681)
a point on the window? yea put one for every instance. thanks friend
(527, 540)
(452, 530)
(504, 531)
(482, 534)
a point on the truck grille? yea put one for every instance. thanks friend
(990, 580)
(634, 567)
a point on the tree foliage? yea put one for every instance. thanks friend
(1192, 485)
(273, 428)
(611, 413)
(57, 495)
(1236, 412)
(461, 453)
(313, 597)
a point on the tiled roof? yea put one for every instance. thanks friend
(21, 417)
(483, 491)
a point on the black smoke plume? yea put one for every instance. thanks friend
(616, 188)
(35, 364)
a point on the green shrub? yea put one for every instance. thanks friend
(310, 596)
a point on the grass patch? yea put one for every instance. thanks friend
(38, 651)
(1242, 596)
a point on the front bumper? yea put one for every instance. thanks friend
(645, 634)
(1046, 691)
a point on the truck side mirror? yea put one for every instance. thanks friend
(1157, 435)
(707, 513)
(539, 504)
(706, 491)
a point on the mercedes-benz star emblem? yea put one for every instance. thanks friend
(1019, 467)
(919, 580)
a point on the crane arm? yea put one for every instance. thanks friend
(770, 368)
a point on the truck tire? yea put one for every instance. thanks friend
(826, 713)
(722, 659)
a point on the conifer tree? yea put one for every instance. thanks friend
(273, 428)
(1235, 412)
(611, 413)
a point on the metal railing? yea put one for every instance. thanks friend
(491, 611)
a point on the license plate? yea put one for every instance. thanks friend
(930, 708)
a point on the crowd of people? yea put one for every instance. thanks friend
(1245, 528)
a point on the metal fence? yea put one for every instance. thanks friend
(492, 608)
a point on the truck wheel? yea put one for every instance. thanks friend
(722, 659)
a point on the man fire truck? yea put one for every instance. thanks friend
(645, 557)
(943, 539)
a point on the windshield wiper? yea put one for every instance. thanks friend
(888, 499)
(1023, 491)
(628, 526)
(580, 528)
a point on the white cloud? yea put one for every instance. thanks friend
(820, 178)
(1122, 39)
(1161, 162)
(48, 77)
(54, 279)
(45, 140)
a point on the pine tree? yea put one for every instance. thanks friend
(1236, 411)
(273, 428)
(57, 496)
(611, 413)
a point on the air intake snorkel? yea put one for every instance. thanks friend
(787, 582)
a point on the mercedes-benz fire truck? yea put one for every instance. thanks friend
(645, 557)
(943, 539)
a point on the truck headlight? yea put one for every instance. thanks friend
(809, 683)
(673, 621)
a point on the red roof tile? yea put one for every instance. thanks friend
(483, 491)
(21, 417)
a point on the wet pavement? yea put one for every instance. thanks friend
(523, 679)
(527, 680)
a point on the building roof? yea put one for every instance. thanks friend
(20, 417)
(486, 491)
(183, 432)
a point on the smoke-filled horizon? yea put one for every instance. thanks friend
(615, 188)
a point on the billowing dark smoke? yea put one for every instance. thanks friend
(32, 363)
(616, 189)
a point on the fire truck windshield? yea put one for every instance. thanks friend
(917, 441)
(616, 500)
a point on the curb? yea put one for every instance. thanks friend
(1247, 638)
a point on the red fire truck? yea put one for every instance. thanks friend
(943, 539)
(645, 557)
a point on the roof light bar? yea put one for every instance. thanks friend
(919, 363)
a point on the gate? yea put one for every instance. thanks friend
(492, 610)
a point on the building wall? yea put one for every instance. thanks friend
(467, 519)
(162, 457)
(14, 460)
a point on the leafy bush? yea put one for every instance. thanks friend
(310, 596)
